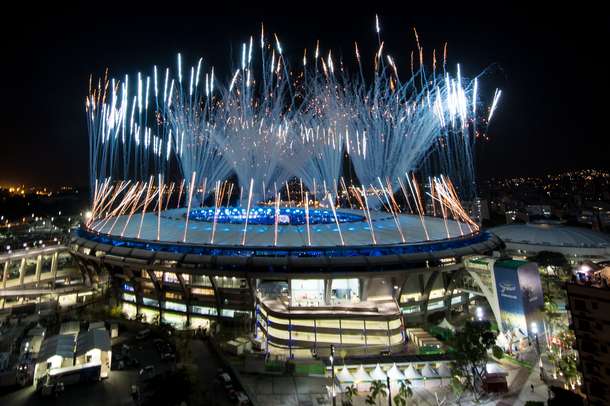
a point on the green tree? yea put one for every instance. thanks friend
(555, 260)
(116, 312)
(404, 393)
(551, 258)
(348, 397)
(469, 349)
(497, 352)
(377, 391)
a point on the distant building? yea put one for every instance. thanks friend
(539, 210)
(69, 327)
(66, 354)
(575, 243)
(514, 216)
(56, 352)
(93, 346)
(33, 342)
(589, 306)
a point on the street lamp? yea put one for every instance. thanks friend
(332, 368)
(479, 313)
(535, 333)
(389, 391)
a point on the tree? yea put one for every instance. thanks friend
(404, 393)
(469, 349)
(497, 352)
(348, 398)
(553, 259)
(457, 387)
(378, 390)
(563, 357)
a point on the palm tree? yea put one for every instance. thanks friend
(350, 392)
(404, 393)
(377, 391)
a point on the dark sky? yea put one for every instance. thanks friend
(551, 69)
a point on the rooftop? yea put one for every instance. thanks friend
(552, 235)
(171, 224)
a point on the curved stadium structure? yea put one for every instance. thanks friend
(322, 206)
(301, 295)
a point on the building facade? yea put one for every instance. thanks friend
(292, 297)
(589, 306)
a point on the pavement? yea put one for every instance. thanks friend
(208, 364)
(311, 391)
(112, 391)
(287, 390)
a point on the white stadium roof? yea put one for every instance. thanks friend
(172, 223)
(554, 237)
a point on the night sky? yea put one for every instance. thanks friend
(551, 69)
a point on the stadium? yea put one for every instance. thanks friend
(320, 210)
(300, 295)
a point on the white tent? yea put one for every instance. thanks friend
(378, 374)
(411, 373)
(495, 368)
(444, 371)
(395, 374)
(344, 376)
(428, 372)
(446, 324)
(361, 375)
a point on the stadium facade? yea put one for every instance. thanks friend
(355, 283)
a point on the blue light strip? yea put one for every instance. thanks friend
(328, 251)
(266, 216)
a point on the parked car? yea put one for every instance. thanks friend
(135, 392)
(168, 356)
(142, 334)
(225, 379)
(148, 371)
(242, 399)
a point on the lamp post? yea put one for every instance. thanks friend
(535, 332)
(389, 392)
(479, 313)
(332, 368)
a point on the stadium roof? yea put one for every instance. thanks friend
(552, 235)
(172, 224)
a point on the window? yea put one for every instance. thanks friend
(175, 306)
(170, 277)
(204, 310)
(580, 305)
(149, 302)
(173, 295)
(201, 280)
(202, 291)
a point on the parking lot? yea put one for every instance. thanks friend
(138, 363)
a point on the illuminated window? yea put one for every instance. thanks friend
(173, 295)
(201, 280)
(175, 306)
(204, 310)
(170, 277)
(202, 291)
(150, 302)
